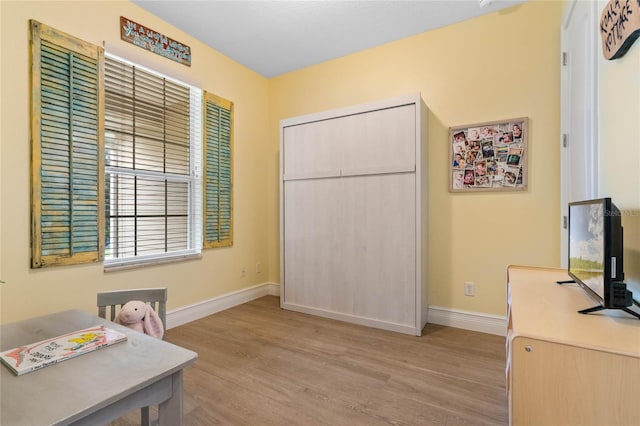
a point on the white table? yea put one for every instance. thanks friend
(96, 387)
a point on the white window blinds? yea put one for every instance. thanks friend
(153, 188)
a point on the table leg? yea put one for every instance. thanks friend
(170, 411)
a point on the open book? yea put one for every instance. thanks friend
(24, 359)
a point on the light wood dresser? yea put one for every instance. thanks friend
(566, 368)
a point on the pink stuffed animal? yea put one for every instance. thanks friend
(141, 317)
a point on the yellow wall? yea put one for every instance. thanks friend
(619, 147)
(500, 66)
(30, 292)
(619, 126)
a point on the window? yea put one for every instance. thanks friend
(218, 172)
(152, 160)
(66, 149)
(116, 156)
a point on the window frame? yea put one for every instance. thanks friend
(194, 181)
(199, 207)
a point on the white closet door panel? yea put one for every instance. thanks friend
(310, 150)
(313, 243)
(378, 141)
(379, 244)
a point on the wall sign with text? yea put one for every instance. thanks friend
(619, 27)
(489, 156)
(154, 41)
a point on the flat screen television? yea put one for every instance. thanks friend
(595, 254)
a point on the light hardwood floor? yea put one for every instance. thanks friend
(260, 365)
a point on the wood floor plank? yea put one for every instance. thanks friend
(261, 365)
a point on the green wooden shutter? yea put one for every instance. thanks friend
(67, 188)
(218, 172)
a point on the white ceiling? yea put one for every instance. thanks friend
(274, 37)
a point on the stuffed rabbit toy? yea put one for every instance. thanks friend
(139, 316)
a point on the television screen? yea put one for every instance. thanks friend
(596, 254)
(587, 245)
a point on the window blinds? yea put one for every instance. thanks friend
(110, 138)
(152, 160)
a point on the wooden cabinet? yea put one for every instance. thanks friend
(566, 368)
(353, 214)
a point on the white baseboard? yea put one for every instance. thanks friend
(354, 319)
(485, 323)
(205, 308)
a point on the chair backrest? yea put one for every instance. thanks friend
(110, 302)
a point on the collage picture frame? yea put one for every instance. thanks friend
(489, 156)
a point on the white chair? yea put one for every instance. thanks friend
(110, 302)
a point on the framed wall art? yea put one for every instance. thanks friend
(489, 156)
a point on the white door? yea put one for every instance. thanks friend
(579, 162)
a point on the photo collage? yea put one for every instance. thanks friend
(489, 156)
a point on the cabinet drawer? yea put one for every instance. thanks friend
(311, 149)
(374, 142)
(384, 139)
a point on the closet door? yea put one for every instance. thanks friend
(379, 240)
(313, 239)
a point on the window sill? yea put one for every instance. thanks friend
(119, 265)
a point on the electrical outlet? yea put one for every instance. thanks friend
(469, 289)
(243, 272)
(258, 268)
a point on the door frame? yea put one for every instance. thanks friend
(565, 114)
